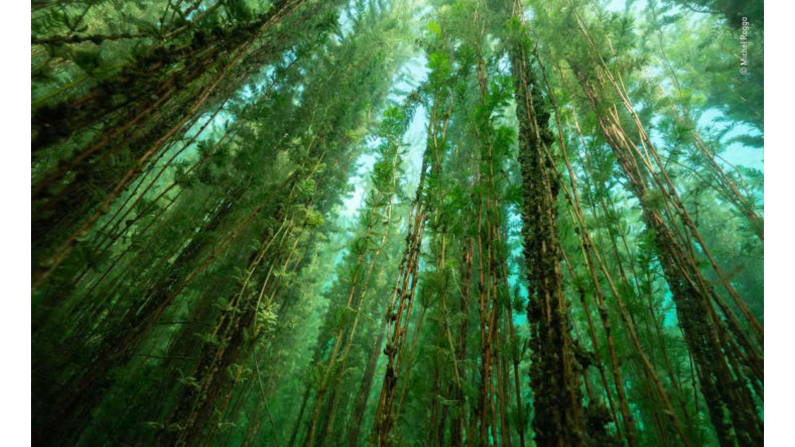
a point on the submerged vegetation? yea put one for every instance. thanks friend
(397, 223)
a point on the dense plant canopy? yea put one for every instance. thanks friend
(397, 223)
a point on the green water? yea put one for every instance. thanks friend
(404, 223)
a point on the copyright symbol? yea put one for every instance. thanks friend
(743, 71)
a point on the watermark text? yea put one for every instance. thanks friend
(744, 46)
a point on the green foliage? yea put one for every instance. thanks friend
(228, 198)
